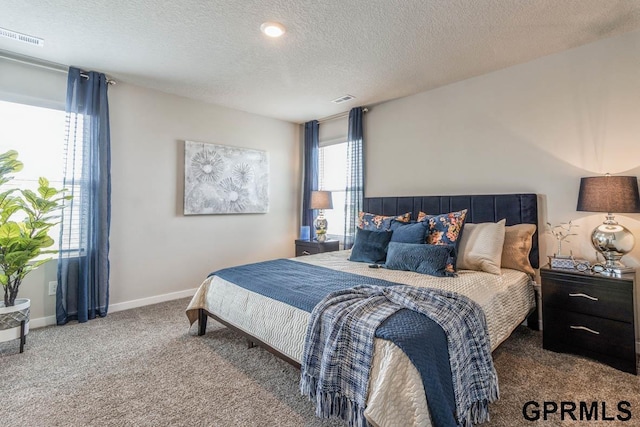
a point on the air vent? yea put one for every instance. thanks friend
(343, 99)
(19, 37)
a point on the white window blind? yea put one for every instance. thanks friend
(333, 177)
(32, 85)
(72, 156)
(333, 131)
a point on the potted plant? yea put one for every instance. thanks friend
(26, 217)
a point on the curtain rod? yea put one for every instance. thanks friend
(40, 63)
(339, 116)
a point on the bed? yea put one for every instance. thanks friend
(396, 392)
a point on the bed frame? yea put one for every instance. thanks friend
(515, 208)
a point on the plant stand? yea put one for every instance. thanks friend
(14, 321)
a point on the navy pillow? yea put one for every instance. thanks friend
(410, 233)
(421, 258)
(370, 246)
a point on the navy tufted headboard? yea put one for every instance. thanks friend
(516, 208)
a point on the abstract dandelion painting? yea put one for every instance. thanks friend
(219, 179)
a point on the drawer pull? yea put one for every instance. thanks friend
(584, 296)
(584, 328)
(306, 253)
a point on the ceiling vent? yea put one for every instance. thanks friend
(343, 99)
(34, 41)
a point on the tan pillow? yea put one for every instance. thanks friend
(481, 247)
(517, 245)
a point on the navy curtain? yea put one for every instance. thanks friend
(83, 263)
(355, 176)
(310, 181)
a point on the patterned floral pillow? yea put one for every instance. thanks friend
(373, 222)
(445, 229)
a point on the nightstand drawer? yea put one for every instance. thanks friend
(308, 247)
(301, 251)
(564, 329)
(613, 301)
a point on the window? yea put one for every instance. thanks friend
(38, 135)
(333, 177)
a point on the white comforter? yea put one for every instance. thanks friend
(396, 394)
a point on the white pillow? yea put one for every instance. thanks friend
(481, 247)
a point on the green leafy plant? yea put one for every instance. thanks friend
(27, 238)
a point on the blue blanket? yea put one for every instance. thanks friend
(306, 285)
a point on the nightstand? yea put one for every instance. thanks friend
(311, 247)
(590, 315)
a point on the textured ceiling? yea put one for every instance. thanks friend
(375, 50)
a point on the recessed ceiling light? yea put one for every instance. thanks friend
(272, 29)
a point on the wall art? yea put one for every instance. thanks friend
(220, 179)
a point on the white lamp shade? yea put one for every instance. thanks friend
(321, 200)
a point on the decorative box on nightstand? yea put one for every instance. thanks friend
(311, 247)
(590, 315)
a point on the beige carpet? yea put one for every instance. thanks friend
(144, 367)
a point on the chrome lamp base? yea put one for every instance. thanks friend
(616, 271)
(613, 241)
(321, 224)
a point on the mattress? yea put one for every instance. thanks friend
(396, 394)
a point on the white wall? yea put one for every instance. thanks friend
(536, 127)
(155, 250)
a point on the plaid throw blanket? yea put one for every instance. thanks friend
(339, 349)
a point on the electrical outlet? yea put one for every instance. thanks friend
(53, 287)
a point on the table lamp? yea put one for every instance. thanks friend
(321, 200)
(610, 194)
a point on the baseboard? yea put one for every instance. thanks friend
(151, 300)
(41, 322)
(51, 320)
